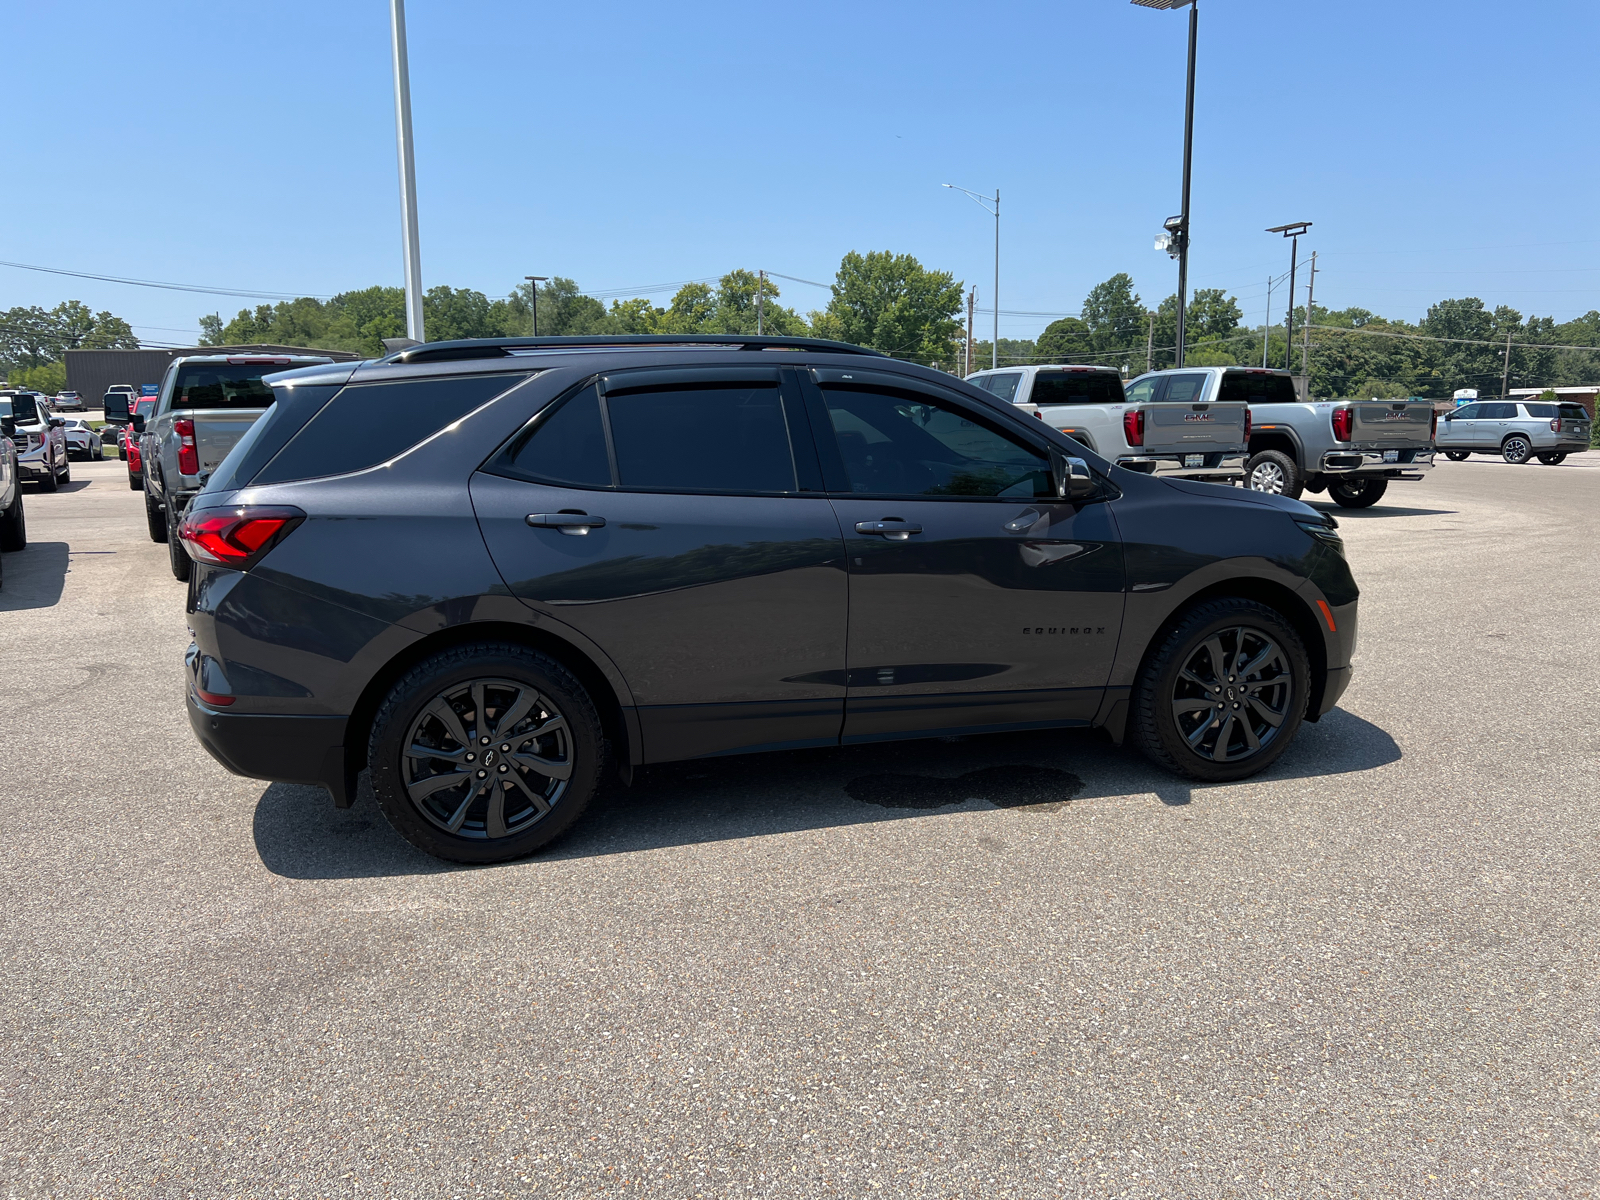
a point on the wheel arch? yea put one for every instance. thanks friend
(1283, 440)
(620, 729)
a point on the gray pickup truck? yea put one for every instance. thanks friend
(205, 405)
(1351, 449)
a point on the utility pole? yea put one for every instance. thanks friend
(408, 170)
(1188, 155)
(1266, 325)
(1505, 377)
(761, 288)
(1305, 346)
(536, 280)
(1150, 345)
(995, 359)
(972, 300)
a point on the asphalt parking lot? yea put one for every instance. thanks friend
(1017, 966)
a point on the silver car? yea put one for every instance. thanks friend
(1517, 430)
(82, 442)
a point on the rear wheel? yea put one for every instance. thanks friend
(155, 518)
(177, 556)
(1274, 472)
(1553, 459)
(13, 526)
(1223, 693)
(485, 753)
(1516, 449)
(1457, 455)
(1358, 493)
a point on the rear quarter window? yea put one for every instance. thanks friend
(223, 385)
(1541, 410)
(368, 424)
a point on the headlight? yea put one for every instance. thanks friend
(1325, 531)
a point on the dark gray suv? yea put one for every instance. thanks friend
(492, 571)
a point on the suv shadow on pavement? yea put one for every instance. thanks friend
(35, 577)
(299, 835)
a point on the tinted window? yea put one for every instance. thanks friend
(1076, 387)
(22, 408)
(291, 409)
(367, 424)
(1468, 412)
(1541, 410)
(1004, 386)
(1573, 412)
(1184, 389)
(702, 438)
(566, 445)
(1498, 412)
(1142, 391)
(223, 385)
(1256, 389)
(903, 446)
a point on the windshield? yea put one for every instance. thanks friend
(145, 407)
(1257, 389)
(223, 385)
(22, 408)
(1076, 387)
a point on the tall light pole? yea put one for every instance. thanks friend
(408, 170)
(983, 202)
(536, 280)
(1292, 231)
(1178, 227)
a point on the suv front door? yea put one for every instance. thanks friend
(977, 598)
(675, 517)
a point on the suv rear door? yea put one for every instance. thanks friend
(977, 598)
(676, 518)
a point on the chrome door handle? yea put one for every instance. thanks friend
(572, 524)
(892, 529)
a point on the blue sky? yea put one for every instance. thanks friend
(1439, 149)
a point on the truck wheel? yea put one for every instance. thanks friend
(1516, 449)
(49, 483)
(13, 525)
(66, 468)
(1358, 493)
(1457, 455)
(177, 557)
(1223, 693)
(155, 518)
(1553, 460)
(1275, 472)
(517, 751)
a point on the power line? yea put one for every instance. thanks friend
(165, 286)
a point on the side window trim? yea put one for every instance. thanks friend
(803, 437)
(834, 480)
(605, 428)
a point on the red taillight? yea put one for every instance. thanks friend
(1247, 426)
(237, 537)
(1433, 427)
(135, 461)
(1555, 425)
(188, 456)
(1133, 426)
(215, 699)
(1341, 424)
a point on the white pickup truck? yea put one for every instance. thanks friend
(1171, 431)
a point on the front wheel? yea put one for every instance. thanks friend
(66, 468)
(1358, 493)
(1457, 455)
(1274, 472)
(485, 753)
(1223, 693)
(13, 525)
(1553, 459)
(1516, 449)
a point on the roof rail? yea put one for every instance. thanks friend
(507, 347)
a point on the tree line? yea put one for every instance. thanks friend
(34, 341)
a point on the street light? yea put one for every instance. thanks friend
(983, 202)
(1293, 230)
(408, 170)
(1178, 227)
(536, 281)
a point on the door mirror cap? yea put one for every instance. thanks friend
(1072, 477)
(137, 421)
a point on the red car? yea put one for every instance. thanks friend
(128, 443)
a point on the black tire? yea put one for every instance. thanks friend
(122, 453)
(177, 557)
(135, 483)
(97, 450)
(1274, 472)
(465, 680)
(1176, 678)
(13, 525)
(1554, 459)
(1457, 455)
(50, 482)
(1358, 493)
(1516, 449)
(155, 518)
(66, 469)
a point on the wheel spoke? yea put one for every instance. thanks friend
(539, 802)
(460, 815)
(1256, 663)
(1199, 735)
(1219, 752)
(446, 716)
(421, 789)
(553, 725)
(1194, 704)
(1250, 738)
(1195, 679)
(1259, 707)
(494, 821)
(544, 766)
(480, 719)
(520, 707)
(1219, 660)
(420, 751)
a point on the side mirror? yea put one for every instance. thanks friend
(58, 422)
(1072, 477)
(8, 426)
(137, 421)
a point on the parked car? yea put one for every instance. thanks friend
(39, 439)
(13, 524)
(1350, 449)
(205, 405)
(82, 440)
(1165, 430)
(1517, 430)
(494, 570)
(70, 402)
(131, 442)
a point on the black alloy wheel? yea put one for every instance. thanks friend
(485, 753)
(1275, 473)
(1224, 693)
(1457, 455)
(1358, 493)
(155, 517)
(177, 557)
(1516, 449)
(1553, 459)
(13, 525)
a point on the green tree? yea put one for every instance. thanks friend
(1065, 340)
(635, 316)
(33, 337)
(1115, 316)
(451, 313)
(49, 378)
(890, 302)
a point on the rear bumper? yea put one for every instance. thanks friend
(1408, 464)
(276, 748)
(1563, 448)
(1215, 467)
